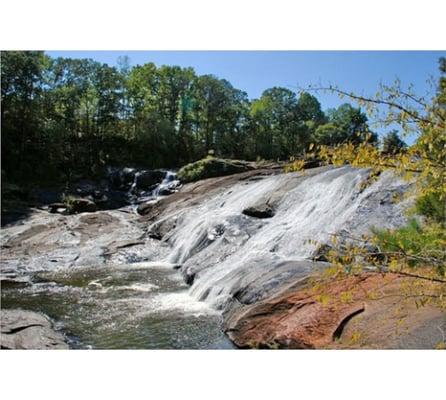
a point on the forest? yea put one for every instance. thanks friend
(239, 208)
(65, 119)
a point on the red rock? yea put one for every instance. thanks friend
(356, 311)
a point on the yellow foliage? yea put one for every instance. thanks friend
(346, 297)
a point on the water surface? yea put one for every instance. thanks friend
(133, 306)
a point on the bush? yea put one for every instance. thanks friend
(418, 245)
(432, 206)
(210, 167)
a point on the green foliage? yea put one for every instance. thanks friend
(419, 244)
(64, 119)
(432, 206)
(423, 163)
(345, 124)
(392, 143)
(210, 167)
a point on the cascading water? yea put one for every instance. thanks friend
(140, 186)
(218, 243)
(168, 184)
(110, 285)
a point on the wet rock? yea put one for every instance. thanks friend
(146, 179)
(189, 276)
(121, 244)
(145, 208)
(13, 284)
(22, 329)
(121, 179)
(166, 191)
(57, 208)
(261, 211)
(115, 199)
(81, 205)
(160, 229)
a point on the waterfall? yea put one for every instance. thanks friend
(168, 183)
(221, 245)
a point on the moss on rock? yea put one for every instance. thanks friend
(211, 167)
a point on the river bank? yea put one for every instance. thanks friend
(208, 258)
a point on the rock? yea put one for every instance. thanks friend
(22, 329)
(121, 179)
(80, 205)
(365, 311)
(13, 284)
(115, 199)
(144, 208)
(308, 164)
(166, 191)
(261, 211)
(161, 228)
(57, 208)
(121, 244)
(146, 179)
(211, 167)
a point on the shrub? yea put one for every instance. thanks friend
(417, 245)
(432, 206)
(210, 167)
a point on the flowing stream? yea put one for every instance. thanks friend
(137, 299)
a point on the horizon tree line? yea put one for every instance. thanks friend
(66, 118)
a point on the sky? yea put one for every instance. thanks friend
(254, 71)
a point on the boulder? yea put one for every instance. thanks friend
(145, 180)
(79, 205)
(22, 329)
(160, 229)
(211, 167)
(260, 211)
(57, 208)
(121, 179)
(166, 191)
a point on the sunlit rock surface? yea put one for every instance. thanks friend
(117, 279)
(26, 330)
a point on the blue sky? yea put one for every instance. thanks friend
(255, 71)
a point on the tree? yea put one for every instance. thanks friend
(274, 117)
(218, 112)
(345, 124)
(329, 134)
(309, 109)
(392, 143)
(22, 74)
(419, 246)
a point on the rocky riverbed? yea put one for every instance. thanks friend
(232, 254)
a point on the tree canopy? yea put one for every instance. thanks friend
(64, 119)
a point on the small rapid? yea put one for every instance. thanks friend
(108, 283)
(219, 245)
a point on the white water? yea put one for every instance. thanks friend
(219, 242)
(168, 182)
